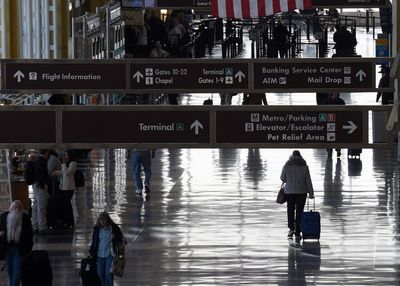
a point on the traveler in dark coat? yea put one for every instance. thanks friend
(345, 42)
(281, 37)
(387, 97)
(17, 235)
(106, 236)
(296, 176)
(254, 99)
(334, 99)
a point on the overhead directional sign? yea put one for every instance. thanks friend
(300, 127)
(189, 126)
(135, 127)
(64, 76)
(189, 76)
(147, 76)
(349, 3)
(314, 75)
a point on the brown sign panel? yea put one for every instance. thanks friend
(314, 75)
(65, 76)
(189, 76)
(349, 3)
(28, 127)
(135, 127)
(303, 127)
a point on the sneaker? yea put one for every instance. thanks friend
(290, 234)
(147, 189)
(138, 192)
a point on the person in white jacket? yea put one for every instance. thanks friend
(296, 176)
(67, 188)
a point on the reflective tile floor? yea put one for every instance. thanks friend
(212, 220)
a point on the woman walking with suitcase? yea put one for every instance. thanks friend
(296, 176)
(106, 238)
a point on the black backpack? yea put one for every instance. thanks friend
(29, 173)
(79, 179)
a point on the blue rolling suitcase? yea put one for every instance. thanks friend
(311, 224)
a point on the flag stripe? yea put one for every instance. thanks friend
(292, 5)
(283, 5)
(221, 8)
(299, 4)
(269, 8)
(237, 7)
(255, 8)
(246, 9)
(229, 9)
(276, 5)
(214, 8)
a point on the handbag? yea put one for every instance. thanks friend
(118, 261)
(281, 198)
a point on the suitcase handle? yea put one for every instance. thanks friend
(308, 204)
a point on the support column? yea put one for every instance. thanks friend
(396, 23)
(13, 29)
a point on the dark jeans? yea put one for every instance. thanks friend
(14, 265)
(67, 214)
(295, 202)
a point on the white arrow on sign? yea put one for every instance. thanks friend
(196, 125)
(240, 75)
(361, 74)
(352, 127)
(19, 75)
(138, 75)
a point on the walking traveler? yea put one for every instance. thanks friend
(334, 99)
(106, 238)
(142, 157)
(17, 239)
(296, 176)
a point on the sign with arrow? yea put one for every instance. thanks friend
(299, 127)
(64, 76)
(196, 76)
(135, 127)
(196, 125)
(334, 74)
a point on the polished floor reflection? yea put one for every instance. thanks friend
(212, 220)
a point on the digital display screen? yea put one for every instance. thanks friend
(137, 4)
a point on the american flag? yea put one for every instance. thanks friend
(245, 9)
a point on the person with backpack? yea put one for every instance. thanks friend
(67, 188)
(40, 193)
(16, 234)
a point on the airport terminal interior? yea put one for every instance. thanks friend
(211, 217)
